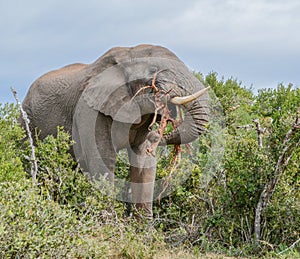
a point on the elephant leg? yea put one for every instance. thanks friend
(142, 177)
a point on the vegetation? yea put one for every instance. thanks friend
(247, 205)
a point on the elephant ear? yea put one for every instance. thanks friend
(109, 92)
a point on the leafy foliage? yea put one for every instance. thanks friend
(223, 211)
(63, 215)
(10, 141)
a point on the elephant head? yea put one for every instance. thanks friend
(117, 106)
(118, 75)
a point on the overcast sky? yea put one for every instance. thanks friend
(255, 41)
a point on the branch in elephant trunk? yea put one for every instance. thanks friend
(156, 137)
(165, 118)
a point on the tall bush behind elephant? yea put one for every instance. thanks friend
(112, 104)
(222, 213)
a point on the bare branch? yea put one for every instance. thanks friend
(290, 247)
(33, 160)
(270, 186)
(259, 131)
(248, 126)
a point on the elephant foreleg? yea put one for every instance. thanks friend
(142, 177)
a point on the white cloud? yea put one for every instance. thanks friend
(230, 24)
(243, 38)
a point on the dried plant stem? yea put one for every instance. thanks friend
(290, 247)
(259, 131)
(270, 186)
(33, 160)
(161, 106)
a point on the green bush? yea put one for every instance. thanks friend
(220, 214)
(31, 226)
(63, 215)
(34, 227)
(11, 136)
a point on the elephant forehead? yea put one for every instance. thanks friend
(133, 69)
(138, 68)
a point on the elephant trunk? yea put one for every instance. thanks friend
(195, 119)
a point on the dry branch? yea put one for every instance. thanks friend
(270, 186)
(259, 131)
(292, 245)
(33, 160)
(248, 126)
(161, 107)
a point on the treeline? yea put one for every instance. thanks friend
(242, 198)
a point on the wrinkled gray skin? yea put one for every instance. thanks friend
(95, 104)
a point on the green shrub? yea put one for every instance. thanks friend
(34, 227)
(31, 226)
(63, 215)
(11, 135)
(220, 213)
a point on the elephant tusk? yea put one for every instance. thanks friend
(186, 99)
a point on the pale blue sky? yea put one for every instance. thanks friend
(255, 41)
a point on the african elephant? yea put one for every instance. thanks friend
(110, 104)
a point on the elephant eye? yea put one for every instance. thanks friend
(153, 69)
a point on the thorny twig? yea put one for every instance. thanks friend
(33, 160)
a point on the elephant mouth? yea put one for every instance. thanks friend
(176, 119)
(175, 123)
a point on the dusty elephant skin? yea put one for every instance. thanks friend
(109, 105)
